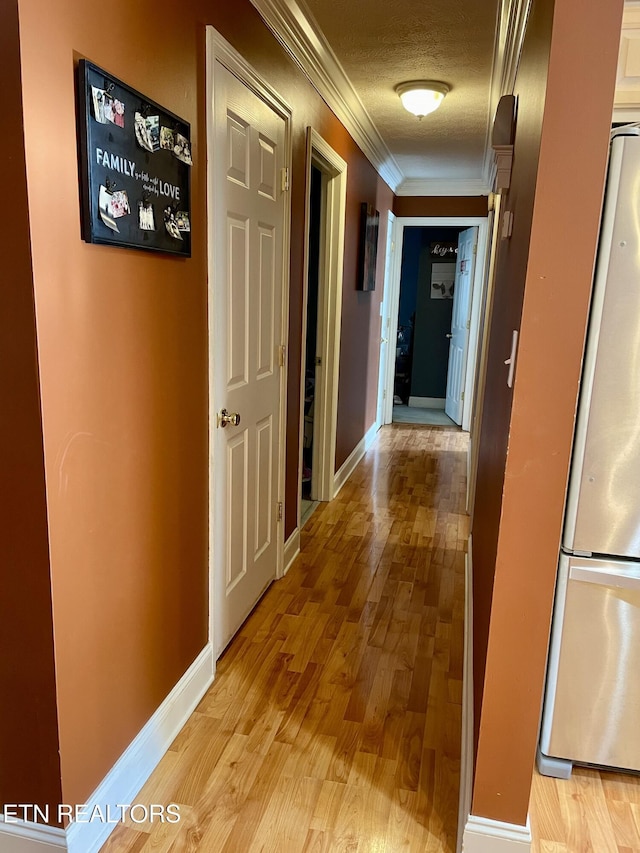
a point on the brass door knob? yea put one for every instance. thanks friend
(225, 418)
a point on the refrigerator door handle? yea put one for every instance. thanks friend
(605, 577)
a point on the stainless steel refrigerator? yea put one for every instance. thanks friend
(591, 711)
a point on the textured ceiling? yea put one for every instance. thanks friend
(382, 44)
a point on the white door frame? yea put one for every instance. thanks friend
(334, 186)
(219, 50)
(385, 326)
(461, 222)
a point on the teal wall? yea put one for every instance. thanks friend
(432, 316)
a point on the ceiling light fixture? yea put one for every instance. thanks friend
(421, 97)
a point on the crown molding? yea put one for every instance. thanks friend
(298, 32)
(511, 27)
(443, 186)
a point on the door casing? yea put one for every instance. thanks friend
(334, 195)
(477, 296)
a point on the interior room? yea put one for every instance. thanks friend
(194, 342)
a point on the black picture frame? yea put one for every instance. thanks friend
(135, 167)
(368, 249)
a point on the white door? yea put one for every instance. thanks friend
(249, 217)
(460, 322)
(385, 412)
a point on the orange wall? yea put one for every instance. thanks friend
(508, 295)
(29, 765)
(440, 205)
(560, 258)
(122, 341)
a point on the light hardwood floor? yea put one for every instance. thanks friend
(593, 812)
(334, 720)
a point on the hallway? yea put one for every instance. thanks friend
(334, 719)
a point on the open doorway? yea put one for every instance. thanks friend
(427, 287)
(322, 311)
(427, 284)
(312, 360)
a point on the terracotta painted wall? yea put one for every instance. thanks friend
(440, 205)
(560, 251)
(123, 366)
(511, 270)
(29, 765)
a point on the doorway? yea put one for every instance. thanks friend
(322, 313)
(309, 481)
(425, 312)
(417, 379)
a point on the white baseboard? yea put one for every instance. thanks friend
(427, 402)
(137, 762)
(351, 462)
(25, 837)
(482, 835)
(291, 550)
(466, 746)
(126, 777)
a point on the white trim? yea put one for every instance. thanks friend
(291, 550)
(299, 33)
(482, 835)
(355, 457)
(625, 114)
(302, 37)
(126, 777)
(478, 295)
(137, 762)
(513, 16)
(466, 744)
(427, 402)
(219, 49)
(386, 350)
(27, 837)
(393, 308)
(443, 187)
(325, 421)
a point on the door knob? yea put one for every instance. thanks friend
(225, 418)
(448, 336)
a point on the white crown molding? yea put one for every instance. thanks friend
(511, 27)
(295, 28)
(443, 186)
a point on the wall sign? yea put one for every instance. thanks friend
(443, 250)
(135, 167)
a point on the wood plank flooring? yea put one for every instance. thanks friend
(334, 720)
(592, 812)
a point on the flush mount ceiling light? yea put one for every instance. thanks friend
(421, 97)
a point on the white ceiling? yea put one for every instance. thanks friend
(356, 51)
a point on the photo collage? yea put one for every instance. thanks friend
(127, 130)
